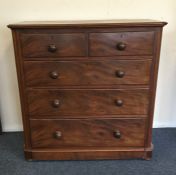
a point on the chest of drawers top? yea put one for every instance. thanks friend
(87, 88)
(88, 23)
(87, 38)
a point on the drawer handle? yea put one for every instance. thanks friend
(119, 102)
(120, 74)
(56, 103)
(52, 48)
(117, 134)
(121, 46)
(57, 134)
(54, 75)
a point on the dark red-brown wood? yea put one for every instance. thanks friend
(87, 133)
(53, 45)
(87, 102)
(84, 81)
(121, 43)
(87, 73)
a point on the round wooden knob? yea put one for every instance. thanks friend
(56, 103)
(121, 46)
(57, 134)
(119, 102)
(52, 48)
(120, 74)
(117, 134)
(54, 75)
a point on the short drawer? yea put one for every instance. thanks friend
(87, 133)
(121, 43)
(81, 102)
(87, 73)
(53, 45)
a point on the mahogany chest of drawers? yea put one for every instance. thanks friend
(87, 88)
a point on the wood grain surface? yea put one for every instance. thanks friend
(87, 89)
(88, 102)
(37, 45)
(99, 133)
(136, 43)
(87, 73)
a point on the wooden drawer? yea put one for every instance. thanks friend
(87, 73)
(88, 102)
(53, 45)
(87, 132)
(121, 43)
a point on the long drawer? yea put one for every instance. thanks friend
(87, 73)
(88, 102)
(87, 132)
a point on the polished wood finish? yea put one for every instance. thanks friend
(87, 73)
(88, 154)
(88, 24)
(121, 43)
(87, 133)
(87, 102)
(87, 88)
(53, 45)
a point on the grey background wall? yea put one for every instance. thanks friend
(12, 11)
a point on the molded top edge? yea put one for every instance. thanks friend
(89, 23)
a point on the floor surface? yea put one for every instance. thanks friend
(12, 161)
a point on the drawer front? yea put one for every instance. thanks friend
(87, 132)
(87, 73)
(87, 102)
(53, 45)
(121, 43)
